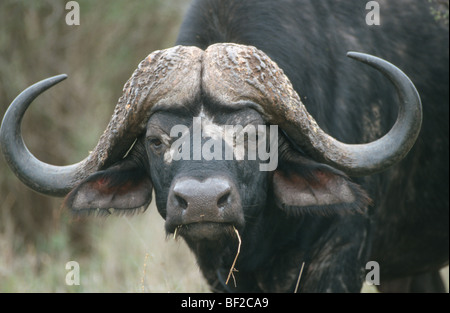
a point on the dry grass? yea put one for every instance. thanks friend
(299, 277)
(134, 255)
(128, 254)
(233, 269)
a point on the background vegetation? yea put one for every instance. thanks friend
(37, 238)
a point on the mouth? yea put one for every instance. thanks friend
(198, 231)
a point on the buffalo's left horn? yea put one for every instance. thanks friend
(164, 77)
(237, 74)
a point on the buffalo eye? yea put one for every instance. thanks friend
(155, 143)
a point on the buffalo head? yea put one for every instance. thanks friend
(201, 198)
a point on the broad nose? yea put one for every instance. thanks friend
(214, 199)
(212, 193)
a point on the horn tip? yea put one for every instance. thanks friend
(60, 77)
(357, 55)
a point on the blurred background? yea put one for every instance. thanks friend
(37, 238)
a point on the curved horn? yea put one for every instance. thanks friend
(42, 177)
(165, 77)
(244, 73)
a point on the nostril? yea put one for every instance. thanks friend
(181, 202)
(223, 200)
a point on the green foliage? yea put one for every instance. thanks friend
(439, 10)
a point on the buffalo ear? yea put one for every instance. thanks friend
(303, 186)
(121, 188)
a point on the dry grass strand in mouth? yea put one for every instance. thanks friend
(232, 269)
(175, 232)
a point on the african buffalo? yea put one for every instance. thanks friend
(345, 191)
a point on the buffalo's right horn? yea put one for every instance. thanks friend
(39, 176)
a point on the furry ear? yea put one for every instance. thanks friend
(124, 187)
(304, 186)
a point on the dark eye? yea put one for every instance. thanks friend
(155, 143)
